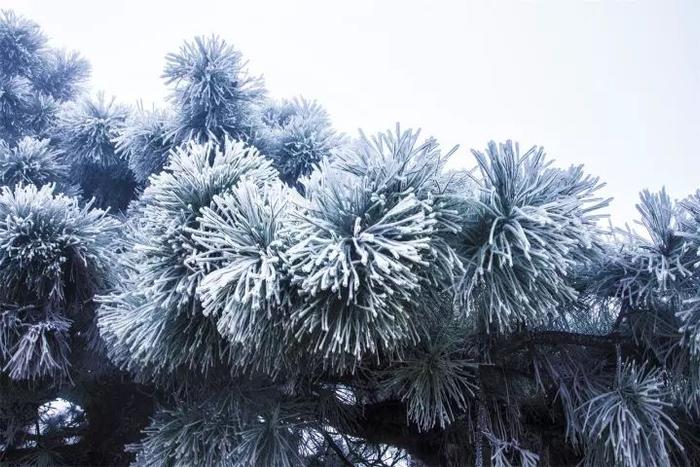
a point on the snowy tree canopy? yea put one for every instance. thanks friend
(226, 280)
(212, 90)
(54, 255)
(297, 135)
(34, 78)
(31, 161)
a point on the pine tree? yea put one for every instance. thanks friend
(261, 290)
(34, 79)
(57, 253)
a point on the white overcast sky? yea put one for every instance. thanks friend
(611, 84)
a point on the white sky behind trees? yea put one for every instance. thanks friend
(614, 85)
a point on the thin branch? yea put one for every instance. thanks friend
(336, 448)
(557, 338)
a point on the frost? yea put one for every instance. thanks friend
(528, 228)
(297, 135)
(212, 90)
(146, 141)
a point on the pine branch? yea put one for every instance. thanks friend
(515, 342)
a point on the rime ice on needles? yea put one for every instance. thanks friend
(298, 136)
(213, 93)
(41, 350)
(364, 247)
(197, 173)
(49, 244)
(661, 264)
(21, 44)
(629, 426)
(271, 441)
(54, 255)
(88, 128)
(501, 451)
(243, 246)
(276, 322)
(530, 225)
(31, 161)
(61, 74)
(656, 275)
(15, 92)
(689, 313)
(195, 434)
(219, 431)
(33, 79)
(86, 131)
(41, 114)
(435, 378)
(145, 141)
(158, 315)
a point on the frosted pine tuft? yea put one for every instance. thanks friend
(213, 92)
(297, 136)
(145, 141)
(523, 235)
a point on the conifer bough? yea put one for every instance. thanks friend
(226, 280)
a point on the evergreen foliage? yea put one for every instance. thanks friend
(213, 93)
(163, 306)
(531, 225)
(34, 78)
(297, 136)
(32, 161)
(264, 291)
(87, 130)
(54, 255)
(145, 141)
(628, 425)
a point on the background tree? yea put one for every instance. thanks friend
(36, 79)
(57, 253)
(269, 292)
